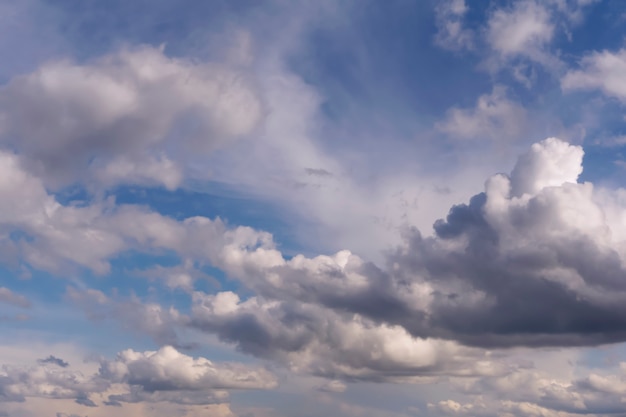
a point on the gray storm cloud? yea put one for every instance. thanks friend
(535, 259)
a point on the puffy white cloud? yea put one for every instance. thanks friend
(550, 163)
(168, 375)
(118, 113)
(602, 71)
(521, 30)
(169, 370)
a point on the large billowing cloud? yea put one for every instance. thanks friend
(325, 342)
(536, 259)
(114, 120)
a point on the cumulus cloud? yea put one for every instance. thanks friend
(165, 375)
(115, 116)
(521, 30)
(604, 71)
(168, 375)
(17, 384)
(536, 259)
(313, 339)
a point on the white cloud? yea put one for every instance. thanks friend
(120, 111)
(604, 71)
(161, 376)
(168, 369)
(550, 163)
(494, 117)
(522, 30)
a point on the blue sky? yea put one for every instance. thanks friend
(311, 208)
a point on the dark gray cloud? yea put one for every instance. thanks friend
(83, 399)
(55, 361)
(310, 338)
(537, 259)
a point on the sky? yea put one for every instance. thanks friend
(289, 208)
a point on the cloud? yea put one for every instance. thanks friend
(533, 260)
(54, 361)
(451, 33)
(310, 338)
(494, 117)
(332, 386)
(17, 384)
(152, 319)
(115, 116)
(57, 238)
(602, 71)
(169, 370)
(165, 375)
(453, 408)
(537, 235)
(534, 235)
(534, 392)
(168, 375)
(536, 259)
(521, 31)
(9, 297)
